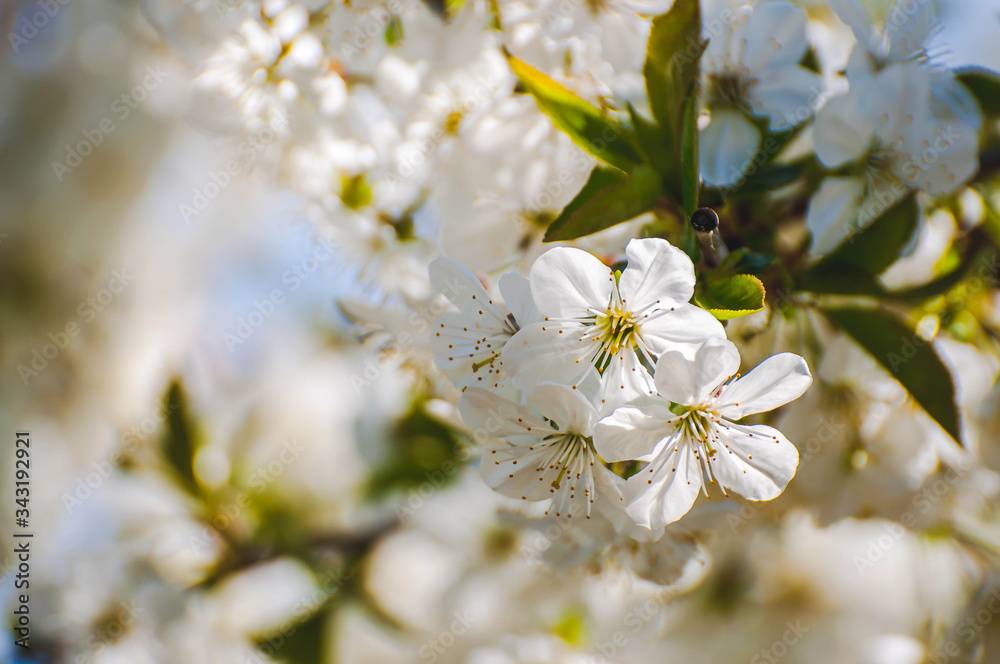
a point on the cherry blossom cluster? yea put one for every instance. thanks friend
(581, 367)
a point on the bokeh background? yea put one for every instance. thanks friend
(224, 467)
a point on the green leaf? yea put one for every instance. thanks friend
(911, 360)
(421, 447)
(732, 297)
(984, 84)
(599, 179)
(180, 438)
(690, 178)
(597, 207)
(673, 52)
(851, 268)
(393, 31)
(770, 177)
(597, 133)
(671, 68)
(651, 143)
(744, 261)
(302, 643)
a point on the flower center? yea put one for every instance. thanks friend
(698, 424)
(616, 329)
(729, 88)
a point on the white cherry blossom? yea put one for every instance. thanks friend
(699, 442)
(547, 451)
(596, 323)
(884, 143)
(468, 343)
(751, 68)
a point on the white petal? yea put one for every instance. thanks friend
(624, 380)
(776, 36)
(843, 131)
(909, 28)
(538, 353)
(657, 272)
(726, 147)
(952, 101)
(690, 379)
(569, 283)
(833, 212)
(854, 15)
(725, 37)
(756, 462)
(687, 324)
(664, 491)
(468, 354)
(516, 291)
(774, 382)
(944, 159)
(786, 95)
(491, 416)
(569, 409)
(464, 290)
(633, 433)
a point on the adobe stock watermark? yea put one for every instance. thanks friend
(223, 7)
(110, 632)
(635, 619)
(966, 631)
(423, 148)
(769, 147)
(418, 496)
(121, 108)
(331, 582)
(28, 26)
(250, 148)
(438, 645)
(780, 647)
(371, 29)
(812, 447)
(87, 312)
(264, 308)
(987, 269)
(417, 324)
(535, 543)
(892, 189)
(923, 502)
(88, 485)
(227, 514)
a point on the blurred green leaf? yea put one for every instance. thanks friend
(355, 192)
(671, 68)
(689, 244)
(394, 31)
(299, 644)
(732, 297)
(608, 205)
(810, 61)
(597, 133)
(423, 450)
(991, 222)
(911, 360)
(947, 281)
(446, 9)
(851, 268)
(180, 438)
(984, 85)
(690, 177)
(745, 261)
(770, 177)
(673, 52)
